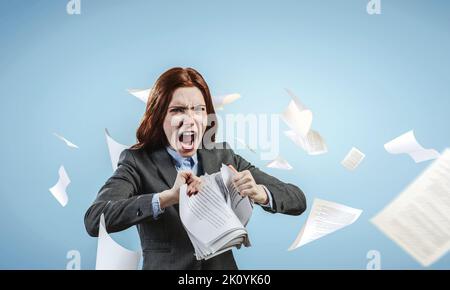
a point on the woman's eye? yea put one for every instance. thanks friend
(199, 109)
(177, 110)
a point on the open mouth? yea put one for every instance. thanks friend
(187, 140)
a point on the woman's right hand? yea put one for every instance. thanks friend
(171, 196)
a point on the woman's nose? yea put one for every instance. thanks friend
(188, 118)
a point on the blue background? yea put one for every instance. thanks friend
(367, 78)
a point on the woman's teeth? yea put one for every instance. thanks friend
(187, 138)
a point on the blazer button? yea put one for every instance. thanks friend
(139, 212)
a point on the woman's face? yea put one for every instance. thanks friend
(186, 120)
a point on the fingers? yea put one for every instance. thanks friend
(194, 188)
(185, 176)
(232, 168)
(242, 178)
(248, 192)
(194, 184)
(244, 187)
(243, 181)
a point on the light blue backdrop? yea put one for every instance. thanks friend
(367, 78)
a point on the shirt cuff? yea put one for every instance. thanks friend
(156, 206)
(269, 195)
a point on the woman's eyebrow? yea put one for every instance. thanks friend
(186, 106)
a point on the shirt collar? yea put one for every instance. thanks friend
(179, 159)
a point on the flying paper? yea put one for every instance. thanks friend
(115, 148)
(279, 163)
(221, 101)
(418, 220)
(68, 143)
(297, 116)
(112, 256)
(353, 159)
(312, 143)
(140, 94)
(408, 144)
(325, 217)
(59, 190)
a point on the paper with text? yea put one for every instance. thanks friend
(418, 220)
(353, 158)
(324, 218)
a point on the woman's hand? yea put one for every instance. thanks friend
(171, 196)
(246, 186)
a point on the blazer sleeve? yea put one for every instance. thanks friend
(118, 199)
(287, 198)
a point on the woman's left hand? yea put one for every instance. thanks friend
(246, 186)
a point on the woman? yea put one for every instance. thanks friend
(175, 146)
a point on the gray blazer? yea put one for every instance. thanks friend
(126, 200)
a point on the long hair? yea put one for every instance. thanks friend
(150, 133)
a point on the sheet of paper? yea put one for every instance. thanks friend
(408, 144)
(353, 158)
(279, 163)
(242, 206)
(313, 143)
(59, 190)
(206, 213)
(418, 220)
(115, 148)
(68, 143)
(111, 255)
(140, 94)
(297, 117)
(221, 101)
(324, 218)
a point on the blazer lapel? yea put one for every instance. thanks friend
(208, 161)
(165, 166)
